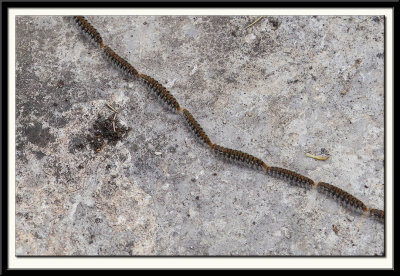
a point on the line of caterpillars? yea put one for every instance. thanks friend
(343, 197)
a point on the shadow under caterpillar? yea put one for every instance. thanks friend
(344, 198)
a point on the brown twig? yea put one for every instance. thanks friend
(258, 19)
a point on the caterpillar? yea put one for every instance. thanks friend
(89, 30)
(162, 93)
(239, 157)
(342, 196)
(236, 156)
(120, 63)
(378, 214)
(292, 177)
(196, 128)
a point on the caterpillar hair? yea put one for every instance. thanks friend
(120, 63)
(89, 30)
(161, 92)
(342, 196)
(239, 157)
(292, 177)
(196, 128)
(378, 214)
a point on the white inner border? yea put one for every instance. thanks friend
(203, 262)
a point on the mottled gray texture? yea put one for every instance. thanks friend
(283, 87)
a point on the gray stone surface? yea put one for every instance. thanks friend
(278, 89)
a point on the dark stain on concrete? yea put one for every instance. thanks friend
(38, 135)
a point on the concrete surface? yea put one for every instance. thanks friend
(285, 86)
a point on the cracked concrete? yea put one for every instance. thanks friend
(283, 87)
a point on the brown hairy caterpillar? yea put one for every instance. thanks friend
(236, 156)
(378, 214)
(239, 157)
(196, 128)
(89, 30)
(120, 63)
(161, 92)
(292, 177)
(342, 196)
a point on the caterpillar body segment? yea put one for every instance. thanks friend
(120, 63)
(342, 196)
(292, 177)
(163, 94)
(239, 157)
(196, 128)
(377, 214)
(88, 30)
